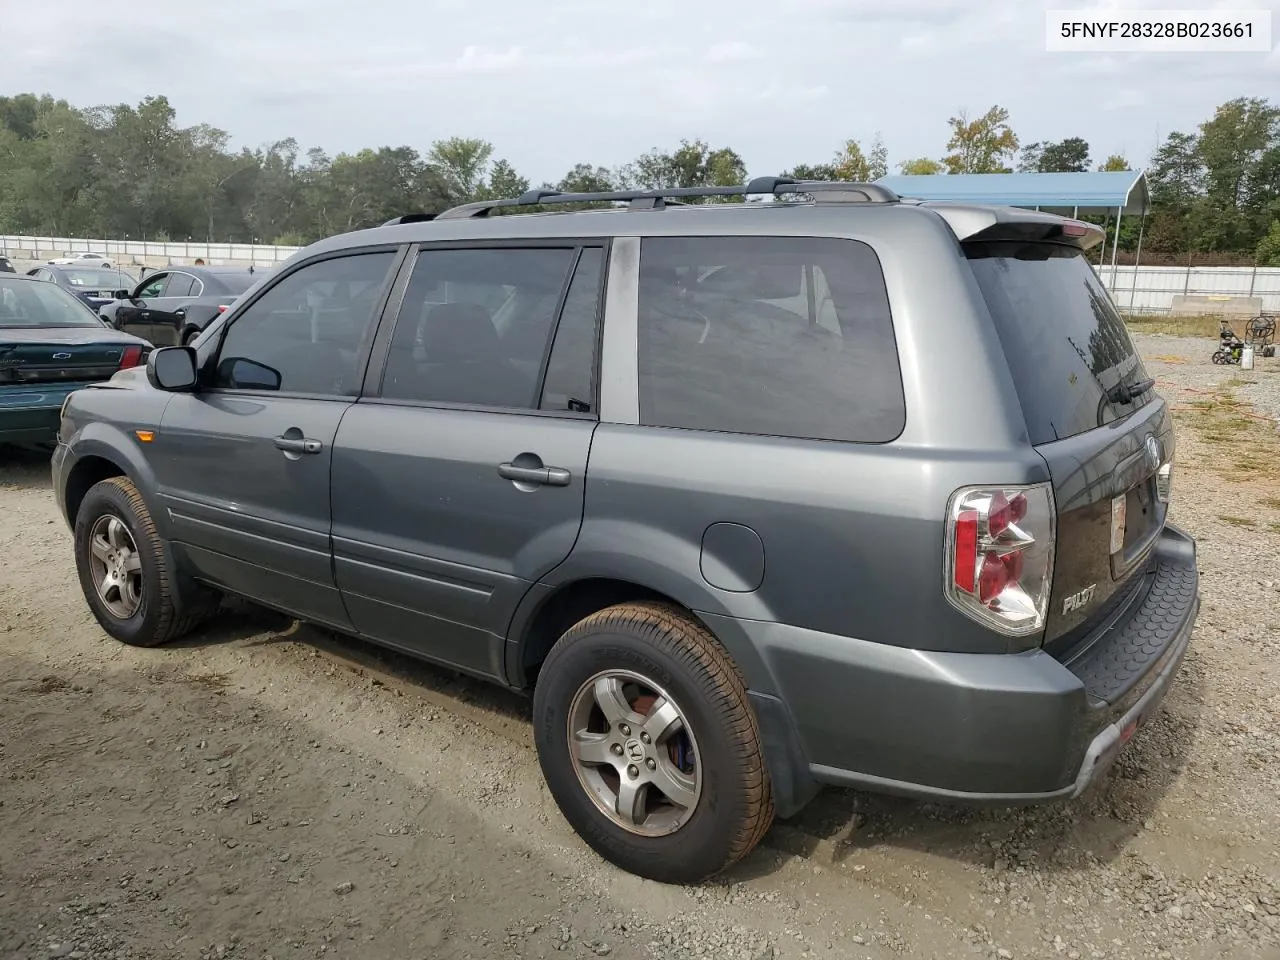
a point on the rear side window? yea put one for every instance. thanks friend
(773, 336)
(1066, 345)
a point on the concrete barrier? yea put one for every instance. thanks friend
(1225, 305)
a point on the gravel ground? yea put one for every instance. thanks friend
(267, 790)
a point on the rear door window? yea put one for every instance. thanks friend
(1066, 344)
(773, 336)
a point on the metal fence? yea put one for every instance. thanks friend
(1152, 289)
(1143, 289)
(153, 252)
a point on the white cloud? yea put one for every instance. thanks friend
(732, 51)
(559, 82)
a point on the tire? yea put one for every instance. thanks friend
(676, 658)
(140, 610)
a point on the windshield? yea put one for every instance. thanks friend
(29, 303)
(97, 279)
(1067, 347)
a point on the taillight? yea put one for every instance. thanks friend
(1000, 555)
(224, 307)
(130, 357)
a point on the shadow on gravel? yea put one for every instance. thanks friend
(1067, 835)
(839, 824)
(24, 469)
(244, 622)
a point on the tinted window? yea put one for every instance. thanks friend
(96, 279)
(777, 336)
(237, 283)
(309, 328)
(1064, 341)
(153, 288)
(474, 326)
(179, 285)
(570, 381)
(30, 303)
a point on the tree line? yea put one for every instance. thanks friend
(132, 172)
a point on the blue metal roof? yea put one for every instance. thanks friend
(1090, 192)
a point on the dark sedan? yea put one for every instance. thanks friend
(96, 286)
(6, 266)
(171, 306)
(51, 343)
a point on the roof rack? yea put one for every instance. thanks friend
(410, 218)
(823, 191)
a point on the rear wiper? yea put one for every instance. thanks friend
(1128, 392)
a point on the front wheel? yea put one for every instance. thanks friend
(124, 573)
(649, 745)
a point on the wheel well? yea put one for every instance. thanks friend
(83, 476)
(567, 607)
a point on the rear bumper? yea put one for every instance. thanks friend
(1011, 728)
(30, 414)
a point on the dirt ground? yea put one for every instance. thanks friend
(268, 790)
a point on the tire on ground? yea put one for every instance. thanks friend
(735, 807)
(156, 620)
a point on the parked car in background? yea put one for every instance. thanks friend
(82, 260)
(172, 306)
(51, 343)
(96, 286)
(752, 497)
(6, 266)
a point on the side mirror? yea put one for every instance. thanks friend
(245, 374)
(172, 369)
(119, 294)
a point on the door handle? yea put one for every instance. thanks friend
(144, 314)
(547, 476)
(298, 445)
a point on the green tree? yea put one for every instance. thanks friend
(877, 159)
(462, 164)
(982, 145)
(1269, 247)
(850, 163)
(921, 167)
(1115, 163)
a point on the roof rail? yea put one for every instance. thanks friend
(823, 191)
(410, 218)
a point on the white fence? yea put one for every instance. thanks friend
(150, 252)
(1152, 289)
(1137, 290)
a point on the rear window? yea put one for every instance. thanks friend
(772, 336)
(1066, 344)
(238, 283)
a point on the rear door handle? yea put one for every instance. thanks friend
(298, 445)
(547, 476)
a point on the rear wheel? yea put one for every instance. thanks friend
(649, 745)
(124, 573)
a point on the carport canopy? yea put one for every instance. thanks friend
(1124, 190)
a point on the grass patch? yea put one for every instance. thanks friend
(1239, 521)
(1241, 447)
(1195, 326)
(1271, 503)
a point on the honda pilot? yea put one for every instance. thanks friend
(829, 486)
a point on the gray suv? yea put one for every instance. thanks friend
(828, 487)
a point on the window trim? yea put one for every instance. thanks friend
(210, 365)
(376, 370)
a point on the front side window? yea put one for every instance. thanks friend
(306, 333)
(772, 336)
(474, 326)
(153, 288)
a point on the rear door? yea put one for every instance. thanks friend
(167, 311)
(1092, 412)
(459, 478)
(243, 464)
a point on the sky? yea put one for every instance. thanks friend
(552, 83)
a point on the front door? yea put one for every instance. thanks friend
(244, 463)
(458, 480)
(134, 314)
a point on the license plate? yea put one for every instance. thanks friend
(1119, 507)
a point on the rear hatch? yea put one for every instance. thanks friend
(1092, 413)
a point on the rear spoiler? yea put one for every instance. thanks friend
(970, 222)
